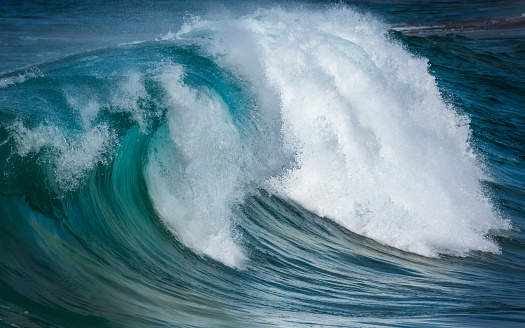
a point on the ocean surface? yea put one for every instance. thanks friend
(262, 164)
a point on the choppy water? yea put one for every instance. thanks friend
(224, 165)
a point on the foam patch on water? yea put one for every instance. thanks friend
(376, 148)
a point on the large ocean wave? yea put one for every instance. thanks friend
(227, 141)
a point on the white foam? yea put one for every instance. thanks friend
(71, 155)
(194, 170)
(130, 98)
(376, 148)
(74, 153)
(88, 108)
(19, 78)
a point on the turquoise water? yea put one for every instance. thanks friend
(305, 164)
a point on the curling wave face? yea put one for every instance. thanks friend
(286, 167)
(374, 146)
(320, 108)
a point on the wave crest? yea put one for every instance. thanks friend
(375, 147)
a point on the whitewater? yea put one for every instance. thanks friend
(287, 166)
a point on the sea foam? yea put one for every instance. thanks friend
(194, 170)
(376, 149)
(341, 119)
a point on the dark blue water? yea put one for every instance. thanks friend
(212, 164)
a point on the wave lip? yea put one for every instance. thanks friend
(194, 170)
